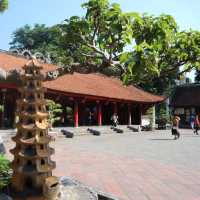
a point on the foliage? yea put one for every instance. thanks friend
(5, 172)
(142, 49)
(161, 113)
(3, 5)
(54, 109)
(161, 50)
(37, 39)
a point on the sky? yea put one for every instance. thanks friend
(50, 12)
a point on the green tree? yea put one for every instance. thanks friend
(54, 109)
(97, 40)
(3, 5)
(142, 49)
(5, 172)
(37, 39)
(160, 50)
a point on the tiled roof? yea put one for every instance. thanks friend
(100, 86)
(9, 62)
(186, 95)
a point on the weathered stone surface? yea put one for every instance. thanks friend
(5, 197)
(73, 190)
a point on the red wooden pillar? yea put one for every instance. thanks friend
(129, 115)
(99, 114)
(76, 114)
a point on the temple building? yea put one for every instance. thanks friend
(185, 102)
(87, 99)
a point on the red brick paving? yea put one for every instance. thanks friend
(130, 179)
(133, 175)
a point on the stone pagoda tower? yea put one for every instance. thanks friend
(32, 163)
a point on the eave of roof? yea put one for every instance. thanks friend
(97, 85)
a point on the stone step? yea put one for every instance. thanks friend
(84, 130)
(79, 131)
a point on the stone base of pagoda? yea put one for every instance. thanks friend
(69, 189)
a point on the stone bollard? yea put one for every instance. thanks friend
(51, 189)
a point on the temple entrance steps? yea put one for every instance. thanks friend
(96, 130)
(79, 131)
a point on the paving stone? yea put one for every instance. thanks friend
(133, 166)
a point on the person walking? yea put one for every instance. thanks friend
(175, 127)
(90, 118)
(196, 125)
(114, 119)
(192, 119)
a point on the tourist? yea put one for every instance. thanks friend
(192, 119)
(196, 125)
(114, 120)
(90, 116)
(175, 127)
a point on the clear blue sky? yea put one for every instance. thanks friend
(21, 12)
(49, 12)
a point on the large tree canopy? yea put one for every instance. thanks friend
(143, 49)
(37, 39)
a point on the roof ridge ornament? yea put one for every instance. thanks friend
(43, 58)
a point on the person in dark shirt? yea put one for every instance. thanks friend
(196, 125)
(175, 127)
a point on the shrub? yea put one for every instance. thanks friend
(5, 172)
(55, 110)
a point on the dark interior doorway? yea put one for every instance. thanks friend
(123, 114)
(107, 112)
(136, 115)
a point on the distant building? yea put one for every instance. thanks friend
(186, 101)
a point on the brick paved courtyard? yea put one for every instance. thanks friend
(146, 166)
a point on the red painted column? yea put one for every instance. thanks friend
(129, 115)
(99, 114)
(76, 114)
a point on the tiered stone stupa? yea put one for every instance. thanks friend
(32, 163)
